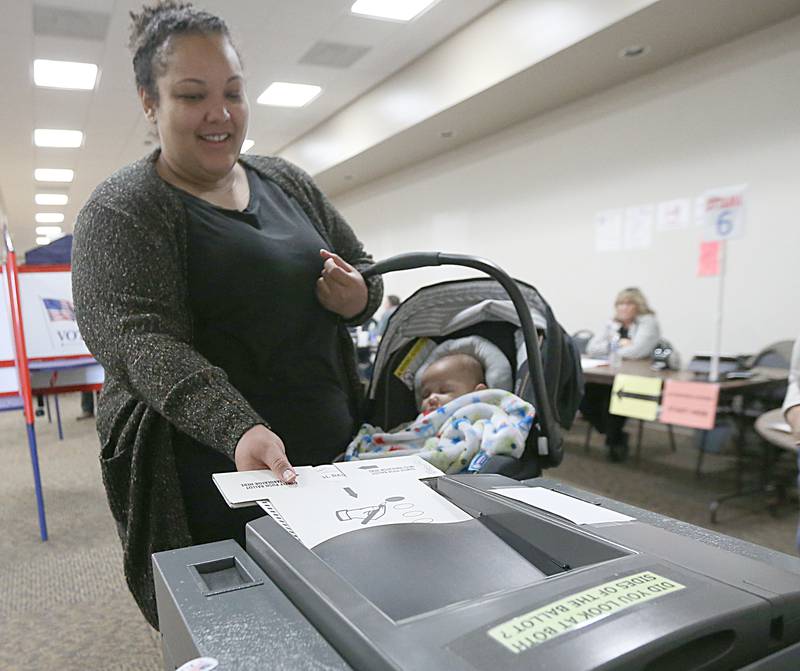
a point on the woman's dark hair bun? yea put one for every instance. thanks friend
(152, 27)
(150, 14)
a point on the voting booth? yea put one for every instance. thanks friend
(57, 355)
(41, 349)
(55, 352)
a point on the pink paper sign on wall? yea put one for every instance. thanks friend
(692, 404)
(708, 265)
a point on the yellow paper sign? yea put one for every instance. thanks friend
(580, 609)
(635, 396)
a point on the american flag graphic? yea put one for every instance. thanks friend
(59, 309)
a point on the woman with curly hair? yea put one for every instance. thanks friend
(215, 289)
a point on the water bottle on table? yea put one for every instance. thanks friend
(614, 357)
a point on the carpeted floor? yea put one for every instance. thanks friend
(65, 604)
(665, 482)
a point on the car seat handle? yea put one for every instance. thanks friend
(550, 429)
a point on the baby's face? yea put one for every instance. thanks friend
(443, 381)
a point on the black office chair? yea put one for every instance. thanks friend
(776, 355)
(581, 339)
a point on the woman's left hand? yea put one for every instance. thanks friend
(340, 287)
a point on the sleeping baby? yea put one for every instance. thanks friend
(462, 421)
(448, 378)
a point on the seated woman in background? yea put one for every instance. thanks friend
(631, 334)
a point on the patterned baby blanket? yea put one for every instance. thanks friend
(457, 437)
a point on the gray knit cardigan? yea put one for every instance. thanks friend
(129, 283)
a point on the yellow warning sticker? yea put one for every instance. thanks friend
(413, 360)
(580, 609)
(635, 396)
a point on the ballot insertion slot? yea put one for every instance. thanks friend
(438, 565)
(219, 576)
(549, 544)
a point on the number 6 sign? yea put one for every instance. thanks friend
(724, 213)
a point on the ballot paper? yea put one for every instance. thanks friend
(320, 513)
(568, 507)
(245, 488)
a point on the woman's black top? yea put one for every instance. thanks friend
(251, 278)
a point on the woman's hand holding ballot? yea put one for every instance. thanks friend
(260, 448)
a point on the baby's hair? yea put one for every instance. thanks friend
(469, 364)
(151, 30)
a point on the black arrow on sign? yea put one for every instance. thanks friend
(351, 492)
(621, 393)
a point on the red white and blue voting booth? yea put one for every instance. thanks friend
(41, 350)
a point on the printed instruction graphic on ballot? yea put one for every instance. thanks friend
(364, 503)
(329, 500)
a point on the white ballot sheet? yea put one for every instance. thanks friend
(358, 503)
(568, 507)
(245, 488)
(411, 465)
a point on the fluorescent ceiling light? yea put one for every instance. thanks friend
(51, 198)
(49, 137)
(49, 217)
(53, 175)
(49, 231)
(43, 241)
(286, 94)
(393, 10)
(247, 144)
(64, 74)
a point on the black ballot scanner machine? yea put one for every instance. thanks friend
(514, 587)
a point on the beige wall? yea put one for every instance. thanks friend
(526, 197)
